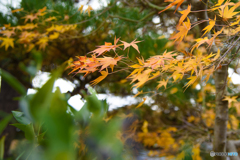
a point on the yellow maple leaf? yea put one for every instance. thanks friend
(50, 19)
(210, 26)
(80, 8)
(89, 9)
(162, 83)
(180, 156)
(227, 13)
(145, 127)
(138, 94)
(30, 47)
(99, 79)
(140, 104)
(230, 99)
(7, 42)
(217, 55)
(184, 14)
(17, 10)
(191, 81)
(42, 42)
(55, 35)
(183, 31)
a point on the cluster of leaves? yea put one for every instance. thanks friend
(168, 67)
(171, 67)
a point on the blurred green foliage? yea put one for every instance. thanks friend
(54, 130)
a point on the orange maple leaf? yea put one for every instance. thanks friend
(17, 10)
(30, 17)
(183, 31)
(7, 33)
(108, 61)
(133, 44)
(176, 2)
(99, 79)
(106, 48)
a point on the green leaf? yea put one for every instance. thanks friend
(83, 116)
(20, 155)
(5, 122)
(41, 101)
(94, 105)
(27, 129)
(12, 81)
(19, 116)
(40, 137)
(2, 147)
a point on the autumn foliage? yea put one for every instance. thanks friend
(194, 59)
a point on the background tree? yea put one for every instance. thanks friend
(58, 36)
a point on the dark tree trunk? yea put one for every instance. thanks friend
(8, 104)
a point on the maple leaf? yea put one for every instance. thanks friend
(133, 44)
(89, 9)
(191, 81)
(99, 79)
(162, 83)
(41, 11)
(138, 94)
(226, 13)
(184, 14)
(178, 2)
(29, 26)
(145, 126)
(199, 41)
(108, 61)
(210, 41)
(7, 42)
(183, 31)
(30, 47)
(141, 77)
(80, 8)
(30, 17)
(54, 35)
(42, 42)
(230, 99)
(17, 10)
(140, 104)
(50, 19)
(210, 26)
(26, 37)
(209, 72)
(7, 33)
(106, 48)
(217, 55)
